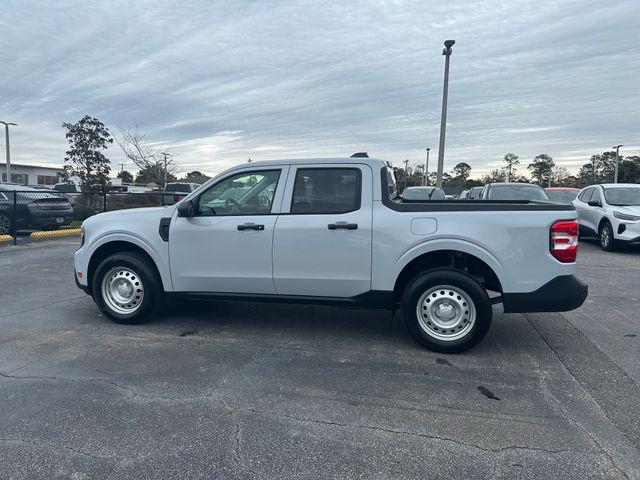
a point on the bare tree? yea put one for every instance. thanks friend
(152, 162)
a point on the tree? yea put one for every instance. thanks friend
(511, 160)
(126, 176)
(194, 174)
(629, 170)
(461, 172)
(154, 174)
(149, 159)
(599, 170)
(541, 169)
(84, 159)
(496, 175)
(560, 177)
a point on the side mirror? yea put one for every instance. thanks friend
(594, 204)
(186, 209)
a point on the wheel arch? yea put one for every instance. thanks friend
(451, 259)
(119, 246)
(604, 220)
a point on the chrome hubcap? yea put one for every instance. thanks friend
(122, 290)
(605, 237)
(446, 313)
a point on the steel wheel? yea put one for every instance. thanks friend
(5, 225)
(446, 313)
(122, 290)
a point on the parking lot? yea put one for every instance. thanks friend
(221, 390)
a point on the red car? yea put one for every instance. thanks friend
(562, 194)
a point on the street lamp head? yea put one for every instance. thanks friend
(6, 124)
(618, 146)
(447, 47)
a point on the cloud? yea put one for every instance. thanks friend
(219, 82)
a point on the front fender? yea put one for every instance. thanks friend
(159, 254)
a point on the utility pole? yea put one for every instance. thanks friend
(593, 169)
(615, 175)
(164, 170)
(443, 119)
(426, 167)
(7, 150)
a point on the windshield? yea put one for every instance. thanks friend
(517, 192)
(566, 196)
(422, 193)
(622, 196)
(178, 187)
(66, 188)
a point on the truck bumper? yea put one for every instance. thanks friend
(561, 294)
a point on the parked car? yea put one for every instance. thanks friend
(328, 231)
(562, 194)
(422, 194)
(474, 193)
(513, 191)
(610, 212)
(176, 191)
(69, 190)
(32, 208)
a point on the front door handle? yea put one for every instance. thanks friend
(343, 225)
(250, 226)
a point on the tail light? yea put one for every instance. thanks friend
(176, 198)
(563, 243)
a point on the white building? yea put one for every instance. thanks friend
(31, 174)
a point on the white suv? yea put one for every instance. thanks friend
(610, 211)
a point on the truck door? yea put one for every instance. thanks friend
(226, 247)
(322, 239)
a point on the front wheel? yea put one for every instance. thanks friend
(126, 288)
(446, 311)
(605, 236)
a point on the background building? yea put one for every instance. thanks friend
(31, 174)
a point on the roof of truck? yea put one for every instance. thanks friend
(286, 161)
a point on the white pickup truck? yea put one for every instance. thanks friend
(333, 231)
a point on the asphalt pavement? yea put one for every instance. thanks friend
(243, 390)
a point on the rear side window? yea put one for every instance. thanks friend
(326, 190)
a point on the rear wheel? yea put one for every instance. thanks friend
(607, 242)
(446, 311)
(126, 288)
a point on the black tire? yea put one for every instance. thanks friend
(152, 287)
(605, 237)
(469, 290)
(5, 224)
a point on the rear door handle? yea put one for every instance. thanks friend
(343, 225)
(250, 226)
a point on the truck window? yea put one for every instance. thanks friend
(246, 193)
(326, 190)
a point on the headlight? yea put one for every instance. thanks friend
(626, 216)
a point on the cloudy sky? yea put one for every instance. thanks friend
(219, 82)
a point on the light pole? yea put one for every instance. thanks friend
(426, 167)
(615, 175)
(8, 151)
(443, 119)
